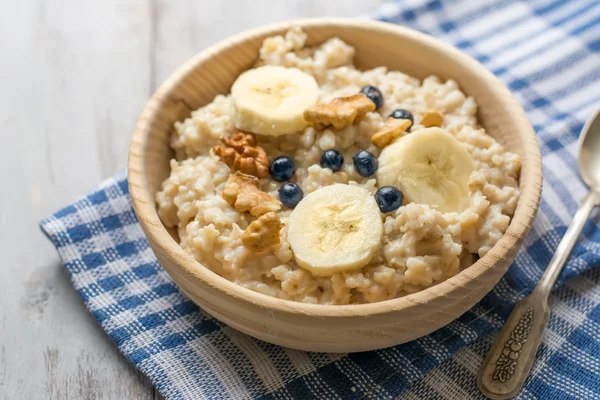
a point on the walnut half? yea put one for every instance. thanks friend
(242, 192)
(391, 131)
(241, 153)
(262, 233)
(339, 112)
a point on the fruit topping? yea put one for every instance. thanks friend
(270, 100)
(332, 159)
(388, 199)
(429, 166)
(290, 194)
(365, 163)
(282, 168)
(335, 229)
(374, 94)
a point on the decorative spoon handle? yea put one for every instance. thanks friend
(509, 361)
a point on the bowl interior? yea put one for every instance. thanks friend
(213, 72)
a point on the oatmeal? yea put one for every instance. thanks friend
(316, 182)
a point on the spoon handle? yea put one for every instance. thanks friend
(567, 243)
(509, 361)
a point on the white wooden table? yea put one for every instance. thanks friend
(74, 75)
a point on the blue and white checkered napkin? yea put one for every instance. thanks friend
(547, 52)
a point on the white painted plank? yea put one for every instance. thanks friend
(186, 27)
(74, 77)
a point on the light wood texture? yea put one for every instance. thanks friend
(318, 327)
(74, 77)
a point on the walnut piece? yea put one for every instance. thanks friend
(392, 130)
(242, 193)
(242, 154)
(237, 183)
(432, 118)
(262, 233)
(339, 112)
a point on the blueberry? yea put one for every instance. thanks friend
(290, 194)
(282, 168)
(374, 94)
(332, 159)
(403, 114)
(388, 199)
(365, 163)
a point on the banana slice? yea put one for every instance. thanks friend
(334, 229)
(271, 100)
(430, 167)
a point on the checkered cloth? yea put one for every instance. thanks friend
(546, 51)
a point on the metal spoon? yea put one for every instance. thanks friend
(509, 361)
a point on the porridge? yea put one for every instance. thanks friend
(316, 182)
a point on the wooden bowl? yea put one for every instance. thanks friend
(326, 327)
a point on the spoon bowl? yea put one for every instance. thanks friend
(589, 152)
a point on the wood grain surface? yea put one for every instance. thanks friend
(74, 77)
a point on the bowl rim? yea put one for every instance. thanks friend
(145, 206)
